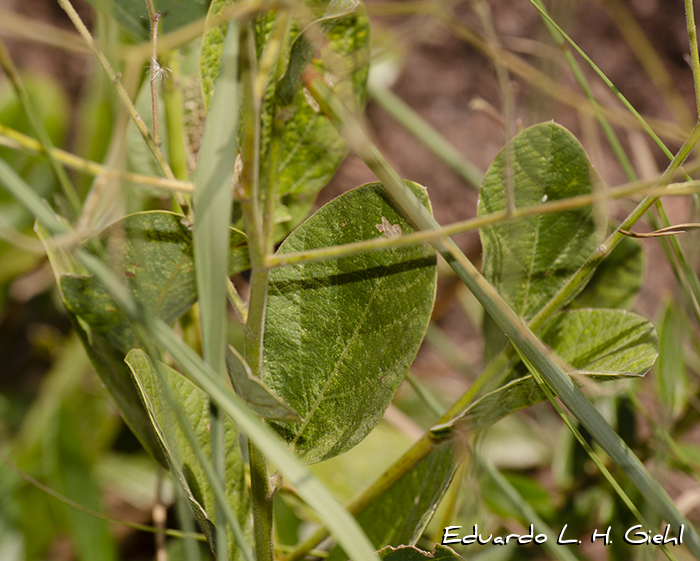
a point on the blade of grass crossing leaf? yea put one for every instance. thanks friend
(212, 202)
(138, 361)
(527, 344)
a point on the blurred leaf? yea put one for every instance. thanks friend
(402, 512)
(341, 334)
(347, 475)
(311, 149)
(411, 553)
(74, 469)
(672, 379)
(132, 15)
(603, 344)
(529, 259)
(106, 359)
(256, 394)
(617, 280)
(152, 252)
(51, 103)
(181, 457)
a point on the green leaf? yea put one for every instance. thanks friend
(341, 334)
(152, 253)
(411, 553)
(182, 459)
(672, 379)
(132, 15)
(617, 280)
(310, 147)
(256, 395)
(106, 359)
(403, 511)
(212, 49)
(602, 344)
(529, 259)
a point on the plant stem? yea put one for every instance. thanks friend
(155, 18)
(693, 42)
(18, 141)
(172, 96)
(261, 491)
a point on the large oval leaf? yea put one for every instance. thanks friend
(341, 334)
(529, 259)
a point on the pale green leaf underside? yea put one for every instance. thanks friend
(603, 344)
(341, 334)
(181, 457)
(106, 359)
(403, 511)
(529, 259)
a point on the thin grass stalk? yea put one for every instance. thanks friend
(213, 199)
(526, 343)
(18, 141)
(686, 271)
(591, 453)
(155, 69)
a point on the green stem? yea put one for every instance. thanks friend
(261, 491)
(174, 119)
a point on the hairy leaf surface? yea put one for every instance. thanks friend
(341, 334)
